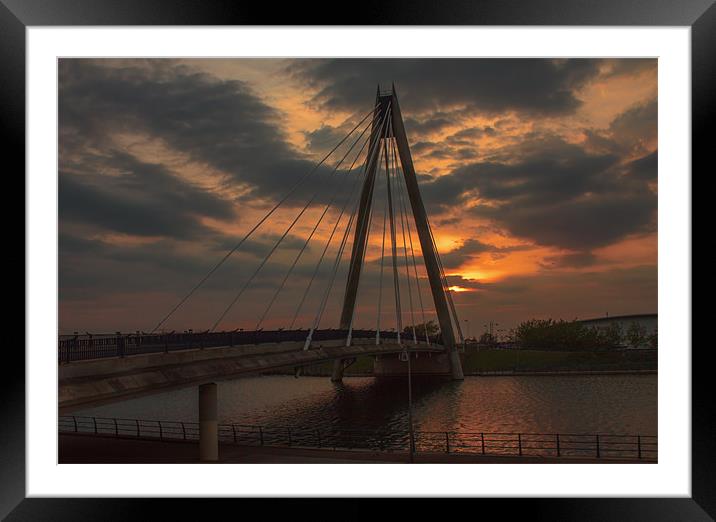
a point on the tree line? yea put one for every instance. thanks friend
(550, 334)
(557, 335)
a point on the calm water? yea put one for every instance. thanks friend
(552, 404)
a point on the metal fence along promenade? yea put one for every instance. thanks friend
(84, 347)
(599, 446)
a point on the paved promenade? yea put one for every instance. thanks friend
(87, 448)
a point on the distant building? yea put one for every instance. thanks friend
(648, 321)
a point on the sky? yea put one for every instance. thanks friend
(539, 177)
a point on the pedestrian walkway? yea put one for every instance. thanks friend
(97, 449)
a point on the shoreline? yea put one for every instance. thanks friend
(562, 372)
(85, 448)
(501, 373)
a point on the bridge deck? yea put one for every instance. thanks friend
(85, 384)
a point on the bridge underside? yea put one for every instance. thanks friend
(92, 383)
(421, 364)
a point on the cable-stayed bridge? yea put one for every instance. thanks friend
(376, 195)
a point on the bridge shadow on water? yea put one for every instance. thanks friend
(366, 403)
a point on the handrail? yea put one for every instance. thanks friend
(85, 347)
(589, 445)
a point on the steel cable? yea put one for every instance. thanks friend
(415, 270)
(371, 152)
(250, 232)
(290, 227)
(403, 218)
(308, 240)
(340, 253)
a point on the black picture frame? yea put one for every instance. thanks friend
(17, 15)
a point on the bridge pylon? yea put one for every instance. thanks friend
(388, 108)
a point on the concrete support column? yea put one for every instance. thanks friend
(456, 365)
(337, 375)
(208, 423)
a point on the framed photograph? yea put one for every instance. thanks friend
(433, 252)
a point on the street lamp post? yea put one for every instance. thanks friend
(518, 358)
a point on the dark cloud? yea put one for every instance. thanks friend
(321, 140)
(472, 248)
(490, 85)
(551, 192)
(466, 136)
(435, 122)
(470, 284)
(572, 260)
(142, 199)
(443, 152)
(92, 268)
(537, 171)
(221, 123)
(325, 137)
(465, 153)
(628, 66)
(645, 167)
(440, 153)
(630, 132)
(422, 147)
(506, 287)
(579, 224)
(637, 123)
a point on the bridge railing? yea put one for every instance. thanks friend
(590, 445)
(84, 347)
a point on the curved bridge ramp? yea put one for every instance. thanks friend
(85, 384)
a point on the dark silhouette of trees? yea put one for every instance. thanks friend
(431, 325)
(487, 339)
(636, 335)
(548, 334)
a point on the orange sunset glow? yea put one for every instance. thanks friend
(539, 177)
